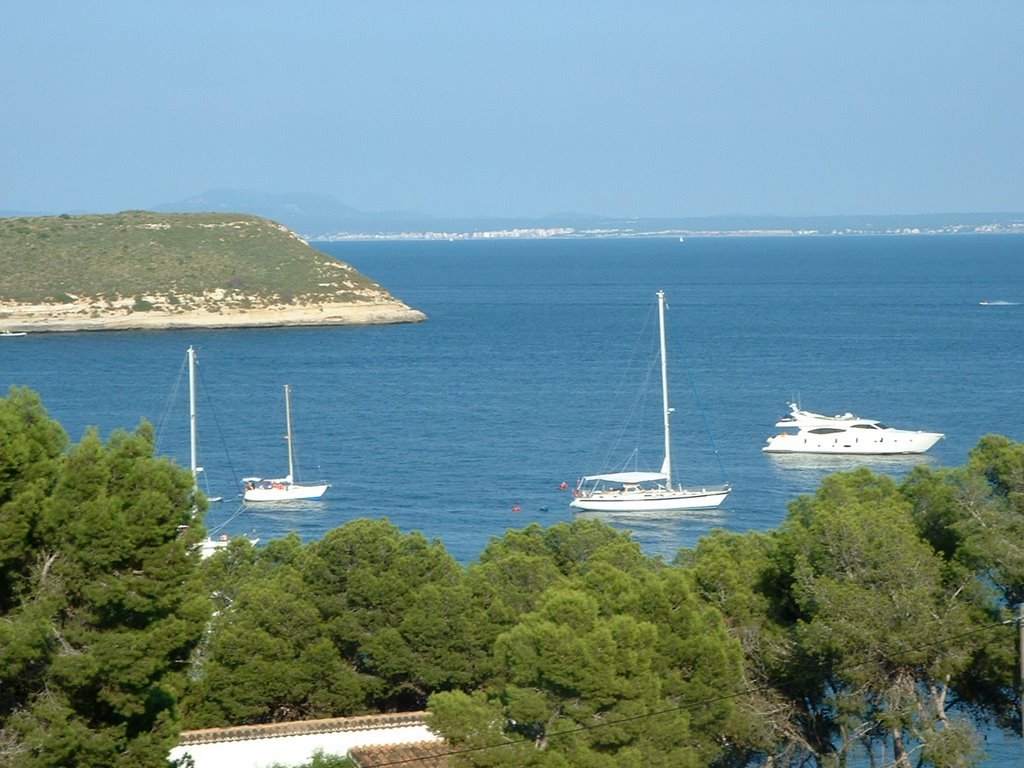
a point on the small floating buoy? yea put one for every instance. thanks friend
(564, 486)
(516, 508)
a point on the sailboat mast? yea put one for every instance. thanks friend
(193, 440)
(666, 466)
(288, 419)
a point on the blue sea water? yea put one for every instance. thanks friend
(465, 425)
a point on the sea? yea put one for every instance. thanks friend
(481, 418)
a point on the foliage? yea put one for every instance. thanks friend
(97, 607)
(617, 663)
(363, 620)
(864, 630)
(267, 656)
(872, 626)
(566, 646)
(136, 253)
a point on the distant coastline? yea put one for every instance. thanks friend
(537, 233)
(320, 217)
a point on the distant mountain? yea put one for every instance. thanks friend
(322, 215)
(319, 216)
(309, 214)
(315, 215)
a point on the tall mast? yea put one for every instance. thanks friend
(288, 419)
(666, 467)
(194, 443)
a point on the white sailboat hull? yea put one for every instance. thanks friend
(650, 499)
(285, 492)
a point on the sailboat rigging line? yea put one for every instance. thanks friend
(211, 531)
(220, 433)
(636, 417)
(165, 417)
(169, 414)
(703, 412)
(618, 423)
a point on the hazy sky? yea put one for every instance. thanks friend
(639, 108)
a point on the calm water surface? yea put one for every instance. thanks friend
(465, 425)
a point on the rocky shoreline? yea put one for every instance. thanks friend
(64, 318)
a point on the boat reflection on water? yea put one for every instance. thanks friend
(285, 505)
(662, 533)
(306, 517)
(806, 470)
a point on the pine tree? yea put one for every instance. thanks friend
(99, 615)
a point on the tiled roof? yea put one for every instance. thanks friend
(300, 728)
(424, 754)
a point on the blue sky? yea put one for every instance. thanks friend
(677, 108)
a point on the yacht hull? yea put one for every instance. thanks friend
(887, 442)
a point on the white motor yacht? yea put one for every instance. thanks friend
(845, 433)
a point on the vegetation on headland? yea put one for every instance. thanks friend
(176, 259)
(875, 625)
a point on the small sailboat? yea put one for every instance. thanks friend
(283, 488)
(647, 491)
(209, 545)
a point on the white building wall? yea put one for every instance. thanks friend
(295, 750)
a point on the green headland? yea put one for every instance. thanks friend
(139, 269)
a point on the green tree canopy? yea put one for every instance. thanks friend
(860, 636)
(98, 611)
(617, 663)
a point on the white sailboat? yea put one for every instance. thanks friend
(647, 491)
(209, 545)
(283, 488)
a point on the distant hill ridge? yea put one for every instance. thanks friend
(320, 216)
(146, 269)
